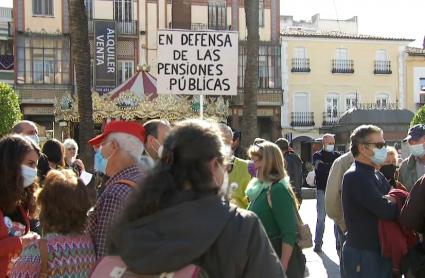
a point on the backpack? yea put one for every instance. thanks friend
(114, 267)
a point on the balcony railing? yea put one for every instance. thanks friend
(6, 13)
(382, 67)
(264, 97)
(128, 28)
(302, 119)
(204, 26)
(342, 66)
(331, 118)
(6, 62)
(10, 29)
(300, 65)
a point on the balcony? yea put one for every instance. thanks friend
(302, 119)
(6, 62)
(382, 67)
(331, 118)
(127, 28)
(300, 65)
(204, 26)
(342, 66)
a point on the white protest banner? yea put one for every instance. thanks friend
(197, 62)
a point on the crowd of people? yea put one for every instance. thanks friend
(190, 194)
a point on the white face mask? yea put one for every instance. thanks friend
(329, 148)
(417, 150)
(223, 190)
(228, 149)
(160, 148)
(28, 174)
(35, 139)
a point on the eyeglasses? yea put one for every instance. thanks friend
(258, 146)
(71, 149)
(379, 145)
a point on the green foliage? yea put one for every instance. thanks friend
(419, 117)
(10, 111)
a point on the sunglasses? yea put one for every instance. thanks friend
(379, 145)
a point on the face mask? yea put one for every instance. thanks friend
(417, 150)
(251, 169)
(159, 151)
(379, 155)
(35, 139)
(100, 162)
(329, 148)
(28, 174)
(388, 171)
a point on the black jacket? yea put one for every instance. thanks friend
(223, 240)
(294, 166)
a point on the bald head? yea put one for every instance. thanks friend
(27, 128)
(328, 141)
(227, 134)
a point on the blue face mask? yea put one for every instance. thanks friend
(379, 155)
(100, 162)
(35, 139)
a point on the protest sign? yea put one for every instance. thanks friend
(197, 62)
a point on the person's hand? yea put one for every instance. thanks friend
(80, 163)
(391, 199)
(28, 239)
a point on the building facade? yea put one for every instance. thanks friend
(415, 78)
(44, 64)
(316, 23)
(6, 46)
(324, 74)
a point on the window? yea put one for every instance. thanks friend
(299, 52)
(89, 9)
(382, 65)
(301, 102)
(217, 16)
(422, 84)
(342, 62)
(269, 75)
(341, 54)
(332, 105)
(261, 13)
(125, 70)
(43, 60)
(382, 100)
(123, 10)
(300, 63)
(42, 7)
(351, 101)
(381, 55)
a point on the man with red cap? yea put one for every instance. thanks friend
(118, 151)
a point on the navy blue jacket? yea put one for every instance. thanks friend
(322, 161)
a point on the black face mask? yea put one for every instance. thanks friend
(388, 171)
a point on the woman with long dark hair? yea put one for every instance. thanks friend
(55, 153)
(177, 216)
(18, 172)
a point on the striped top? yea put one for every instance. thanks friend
(69, 255)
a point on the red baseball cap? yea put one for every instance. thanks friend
(131, 128)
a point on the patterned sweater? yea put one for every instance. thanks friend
(69, 255)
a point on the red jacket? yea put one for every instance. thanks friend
(10, 244)
(395, 238)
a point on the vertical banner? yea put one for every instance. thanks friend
(105, 56)
(197, 62)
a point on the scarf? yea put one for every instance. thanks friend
(255, 187)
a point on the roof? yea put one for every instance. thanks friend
(376, 116)
(415, 51)
(142, 84)
(291, 32)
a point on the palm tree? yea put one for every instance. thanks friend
(78, 25)
(249, 119)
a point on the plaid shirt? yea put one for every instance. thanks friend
(109, 204)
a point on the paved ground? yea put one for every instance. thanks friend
(325, 264)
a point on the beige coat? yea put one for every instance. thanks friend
(334, 189)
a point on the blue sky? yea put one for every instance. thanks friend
(389, 18)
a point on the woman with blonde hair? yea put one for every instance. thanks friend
(71, 151)
(273, 200)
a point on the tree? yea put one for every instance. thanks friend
(78, 25)
(419, 117)
(9, 107)
(249, 119)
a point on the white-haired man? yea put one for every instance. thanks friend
(322, 161)
(118, 151)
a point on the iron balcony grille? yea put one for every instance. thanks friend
(342, 66)
(128, 27)
(382, 67)
(331, 118)
(302, 119)
(300, 65)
